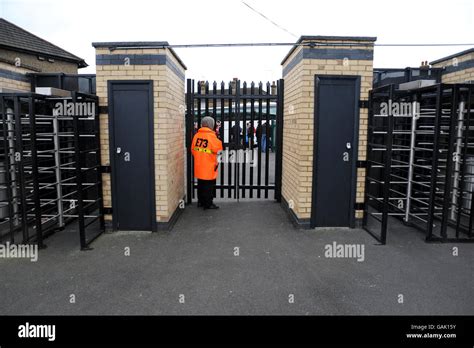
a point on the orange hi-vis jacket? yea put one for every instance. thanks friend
(205, 147)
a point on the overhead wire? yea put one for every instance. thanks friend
(268, 19)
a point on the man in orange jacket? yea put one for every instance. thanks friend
(205, 147)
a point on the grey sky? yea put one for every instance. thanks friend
(73, 25)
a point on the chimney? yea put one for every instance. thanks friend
(274, 88)
(234, 85)
(424, 68)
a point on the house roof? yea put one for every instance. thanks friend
(15, 38)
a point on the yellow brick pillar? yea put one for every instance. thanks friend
(149, 61)
(318, 55)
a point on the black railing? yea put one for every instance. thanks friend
(383, 77)
(83, 83)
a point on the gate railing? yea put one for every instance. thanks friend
(249, 121)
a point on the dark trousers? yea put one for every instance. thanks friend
(206, 192)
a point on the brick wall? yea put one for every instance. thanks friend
(15, 65)
(458, 68)
(299, 68)
(296, 121)
(175, 139)
(167, 73)
(32, 62)
(14, 78)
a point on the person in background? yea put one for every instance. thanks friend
(250, 132)
(205, 147)
(235, 133)
(270, 137)
(262, 133)
(218, 129)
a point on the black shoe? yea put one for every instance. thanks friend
(212, 206)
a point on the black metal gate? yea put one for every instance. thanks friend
(249, 122)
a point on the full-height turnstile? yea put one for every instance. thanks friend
(50, 172)
(420, 165)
